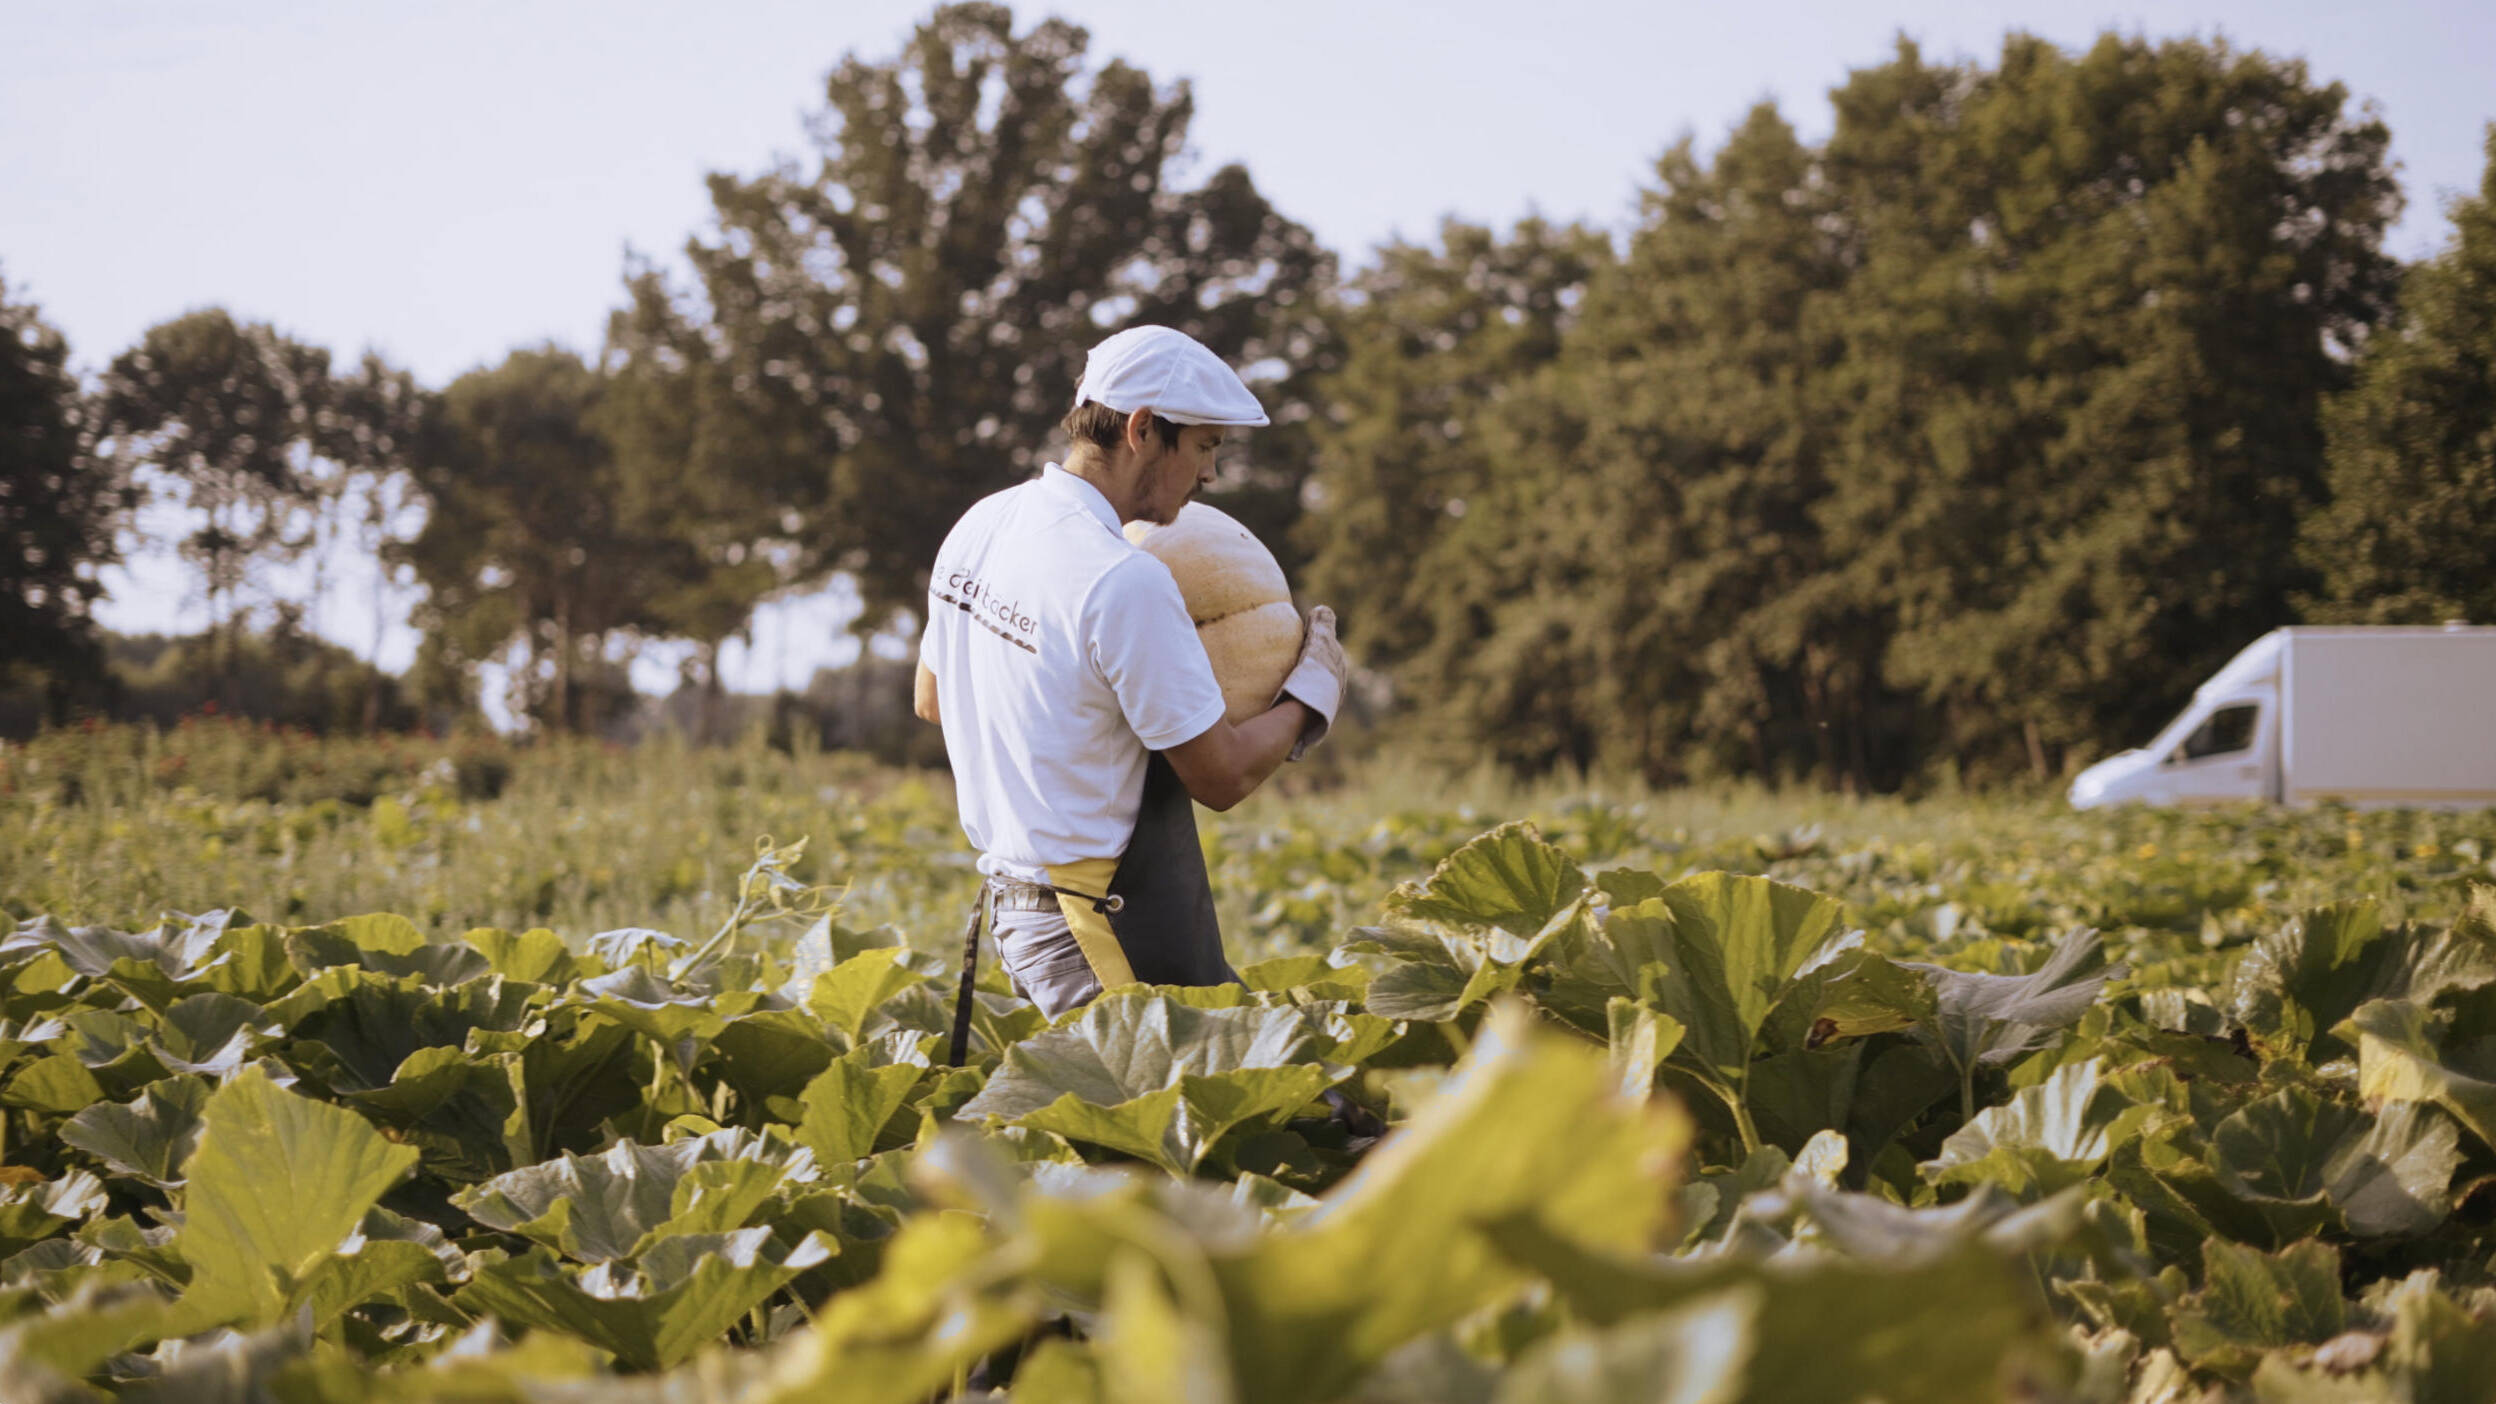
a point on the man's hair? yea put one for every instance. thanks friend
(1104, 428)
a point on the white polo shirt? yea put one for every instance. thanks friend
(1062, 655)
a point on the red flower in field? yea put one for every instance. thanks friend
(208, 708)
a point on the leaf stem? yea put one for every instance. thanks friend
(1742, 1122)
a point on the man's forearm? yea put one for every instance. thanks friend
(1227, 764)
(1270, 735)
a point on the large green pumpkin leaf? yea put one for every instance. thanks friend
(1735, 947)
(211, 1034)
(2308, 1163)
(1154, 1077)
(848, 994)
(18, 1036)
(1150, 1350)
(826, 944)
(1718, 954)
(1642, 1037)
(1947, 1319)
(1468, 933)
(382, 933)
(567, 1077)
(1440, 986)
(1985, 1020)
(369, 1024)
(452, 1106)
(2045, 1139)
(35, 1210)
(150, 1136)
(1508, 879)
(1693, 1354)
(2438, 1352)
(118, 1048)
(385, 944)
(673, 1016)
(249, 962)
(623, 1202)
(1176, 1127)
(2296, 984)
(935, 1306)
(2444, 1353)
(153, 965)
(848, 1104)
(2399, 1060)
(42, 1356)
(1312, 974)
(277, 1182)
(536, 956)
(772, 1053)
(1531, 1124)
(1127, 1044)
(57, 1084)
(686, 1292)
(2252, 1301)
(364, 1270)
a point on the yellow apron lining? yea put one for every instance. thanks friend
(1090, 926)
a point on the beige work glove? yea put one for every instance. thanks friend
(1317, 679)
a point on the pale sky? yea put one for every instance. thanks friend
(446, 181)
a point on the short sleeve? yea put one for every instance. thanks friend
(1140, 640)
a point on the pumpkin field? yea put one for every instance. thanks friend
(448, 1070)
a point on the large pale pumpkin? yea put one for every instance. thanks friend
(1236, 593)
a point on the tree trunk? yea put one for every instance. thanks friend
(563, 662)
(1816, 716)
(374, 684)
(320, 589)
(714, 696)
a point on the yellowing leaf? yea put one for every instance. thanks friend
(277, 1183)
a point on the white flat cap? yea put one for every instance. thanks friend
(1170, 373)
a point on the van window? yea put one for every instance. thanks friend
(2229, 729)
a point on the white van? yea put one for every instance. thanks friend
(2364, 715)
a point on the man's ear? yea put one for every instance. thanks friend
(1140, 430)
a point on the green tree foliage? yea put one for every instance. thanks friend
(1430, 336)
(898, 327)
(285, 676)
(1703, 635)
(1981, 430)
(531, 538)
(2096, 304)
(57, 507)
(217, 416)
(687, 456)
(2413, 446)
(377, 418)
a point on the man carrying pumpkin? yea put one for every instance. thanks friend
(1081, 711)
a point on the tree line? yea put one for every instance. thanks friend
(1960, 443)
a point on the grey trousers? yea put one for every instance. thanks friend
(1039, 951)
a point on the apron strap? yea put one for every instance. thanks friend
(1114, 902)
(963, 1000)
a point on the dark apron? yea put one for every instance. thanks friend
(1165, 923)
(1159, 904)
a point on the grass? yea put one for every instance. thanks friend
(120, 825)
